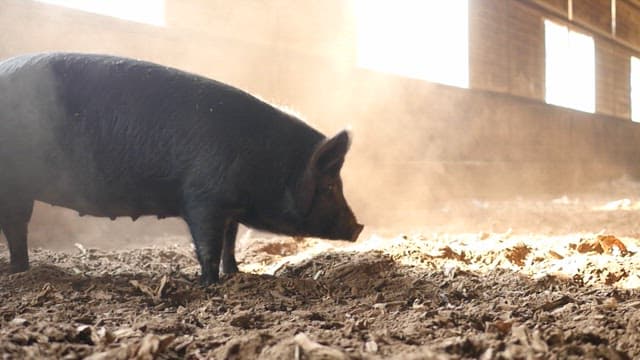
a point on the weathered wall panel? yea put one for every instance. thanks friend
(627, 22)
(596, 13)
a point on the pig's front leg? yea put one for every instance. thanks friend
(207, 229)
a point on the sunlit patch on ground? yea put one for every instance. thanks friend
(575, 257)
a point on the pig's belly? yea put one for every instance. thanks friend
(111, 200)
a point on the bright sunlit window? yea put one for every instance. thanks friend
(635, 89)
(415, 38)
(570, 68)
(142, 11)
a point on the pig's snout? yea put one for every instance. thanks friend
(347, 232)
(356, 232)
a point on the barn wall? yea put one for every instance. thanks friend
(415, 141)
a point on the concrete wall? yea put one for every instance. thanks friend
(416, 142)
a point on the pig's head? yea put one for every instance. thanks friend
(319, 199)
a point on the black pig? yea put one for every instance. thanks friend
(110, 136)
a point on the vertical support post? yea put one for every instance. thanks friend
(613, 17)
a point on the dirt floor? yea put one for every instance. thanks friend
(540, 278)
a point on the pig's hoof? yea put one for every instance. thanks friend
(18, 268)
(206, 280)
(231, 268)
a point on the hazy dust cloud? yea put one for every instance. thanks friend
(409, 163)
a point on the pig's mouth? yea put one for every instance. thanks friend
(346, 233)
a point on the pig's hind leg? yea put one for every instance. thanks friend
(14, 221)
(229, 264)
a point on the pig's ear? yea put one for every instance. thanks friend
(328, 158)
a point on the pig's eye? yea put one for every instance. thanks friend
(328, 189)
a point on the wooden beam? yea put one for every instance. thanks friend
(578, 24)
